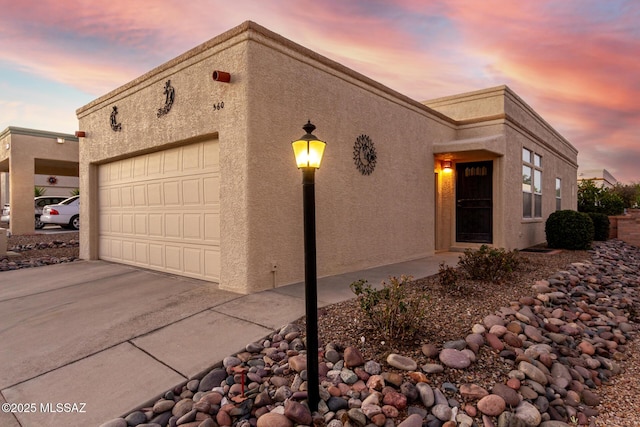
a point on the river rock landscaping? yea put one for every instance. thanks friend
(37, 250)
(539, 360)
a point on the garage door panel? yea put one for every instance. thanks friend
(192, 228)
(211, 190)
(128, 251)
(192, 260)
(141, 252)
(191, 192)
(171, 193)
(212, 227)
(154, 194)
(154, 164)
(172, 225)
(155, 225)
(156, 255)
(173, 258)
(126, 196)
(164, 210)
(140, 225)
(140, 195)
(191, 157)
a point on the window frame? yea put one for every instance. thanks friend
(532, 191)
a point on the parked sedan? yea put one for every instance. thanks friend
(65, 213)
(39, 203)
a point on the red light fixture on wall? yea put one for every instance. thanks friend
(447, 164)
(221, 76)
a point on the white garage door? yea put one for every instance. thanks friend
(162, 211)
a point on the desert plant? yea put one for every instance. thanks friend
(569, 229)
(453, 281)
(39, 191)
(489, 264)
(393, 309)
(601, 226)
(75, 192)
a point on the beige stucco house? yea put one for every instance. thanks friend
(186, 173)
(27, 157)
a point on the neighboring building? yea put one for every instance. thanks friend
(600, 177)
(52, 185)
(195, 176)
(24, 155)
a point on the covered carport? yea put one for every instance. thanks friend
(26, 152)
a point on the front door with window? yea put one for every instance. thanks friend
(474, 202)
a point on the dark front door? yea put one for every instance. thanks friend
(474, 202)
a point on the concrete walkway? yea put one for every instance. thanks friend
(104, 338)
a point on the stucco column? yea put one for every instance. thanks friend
(89, 231)
(22, 169)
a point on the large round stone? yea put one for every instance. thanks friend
(454, 358)
(274, 420)
(402, 362)
(492, 405)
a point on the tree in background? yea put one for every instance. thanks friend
(39, 191)
(629, 193)
(592, 198)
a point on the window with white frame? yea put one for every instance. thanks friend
(558, 194)
(531, 184)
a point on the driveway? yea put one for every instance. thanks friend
(104, 335)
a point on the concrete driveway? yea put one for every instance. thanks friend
(106, 337)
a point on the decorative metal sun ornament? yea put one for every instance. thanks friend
(364, 155)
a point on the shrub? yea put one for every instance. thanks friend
(600, 226)
(569, 229)
(392, 310)
(453, 281)
(489, 264)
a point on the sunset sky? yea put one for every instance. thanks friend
(576, 62)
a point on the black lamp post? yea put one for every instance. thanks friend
(308, 151)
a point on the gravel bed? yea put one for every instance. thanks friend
(37, 250)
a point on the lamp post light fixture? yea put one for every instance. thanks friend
(308, 151)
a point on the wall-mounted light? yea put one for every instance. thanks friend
(221, 76)
(7, 146)
(60, 140)
(80, 134)
(446, 164)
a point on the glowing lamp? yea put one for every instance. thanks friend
(308, 150)
(446, 164)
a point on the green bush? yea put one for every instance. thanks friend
(392, 310)
(489, 264)
(569, 229)
(593, 198)
(600, 226)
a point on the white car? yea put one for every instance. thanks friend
(65, 213)
(39, 203)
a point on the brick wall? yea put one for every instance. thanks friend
(627, 227)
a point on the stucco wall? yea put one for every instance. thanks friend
(362, 221)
